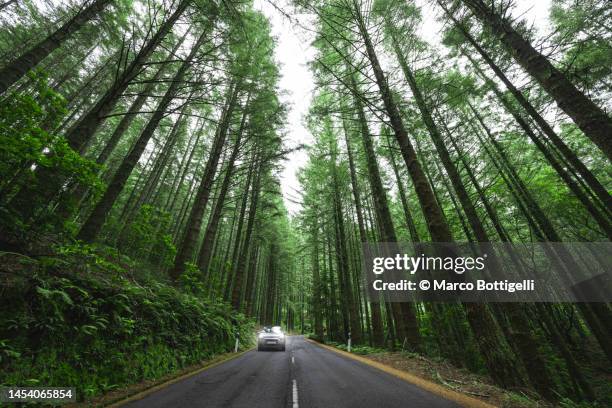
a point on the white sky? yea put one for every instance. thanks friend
(293, 52)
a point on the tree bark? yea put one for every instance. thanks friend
(133, 110)
(433, 214)
(31, 58)
(211, 229)
(92, 226)
(241, 218)
(377, 328)
(83, 130)
(589, 117)
(597, 315)
(497, 358)
(194, 223)
(414, 235)
(406, 321)
(48, 181)
(573, 160)
(316, 283)
(343, 268)
(238, 288)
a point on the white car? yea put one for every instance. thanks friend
(271, 338)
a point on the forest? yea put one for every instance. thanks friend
(143, 222)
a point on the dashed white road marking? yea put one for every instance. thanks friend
(295, 395)
(292, 360)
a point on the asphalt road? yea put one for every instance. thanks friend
(303, 376)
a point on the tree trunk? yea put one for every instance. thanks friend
(213, 223)
(194, 223)
(344, 274)
(48, 181)
(571, 158)
(377, 328)
(316, 283)
(252, 276)
(589, 117)
(497, 358)
(161, 162)
(134, 109)
(271, 288)
(246, 245)
(433, 214)
(84, 129)
(19, 67)
(406, 322)
(92, 226)
(241, 218)
(597, 315)
(175, 191)
(414, 235)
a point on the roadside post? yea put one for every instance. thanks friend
(237, 341)
(349, 342)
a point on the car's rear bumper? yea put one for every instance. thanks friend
(277, 345)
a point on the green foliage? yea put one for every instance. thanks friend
(360, 349)
(581, 31)
(99, 317)
(191, 279)
(91, 259)
(98, 330)
(146, 237)
(27, 137)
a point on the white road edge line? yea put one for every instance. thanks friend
(295, 395)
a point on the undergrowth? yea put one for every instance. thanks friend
(75, 319)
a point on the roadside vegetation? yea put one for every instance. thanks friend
(142, 220)
(462, 136)
(140, 209)
(480, 386)
(88, 317)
